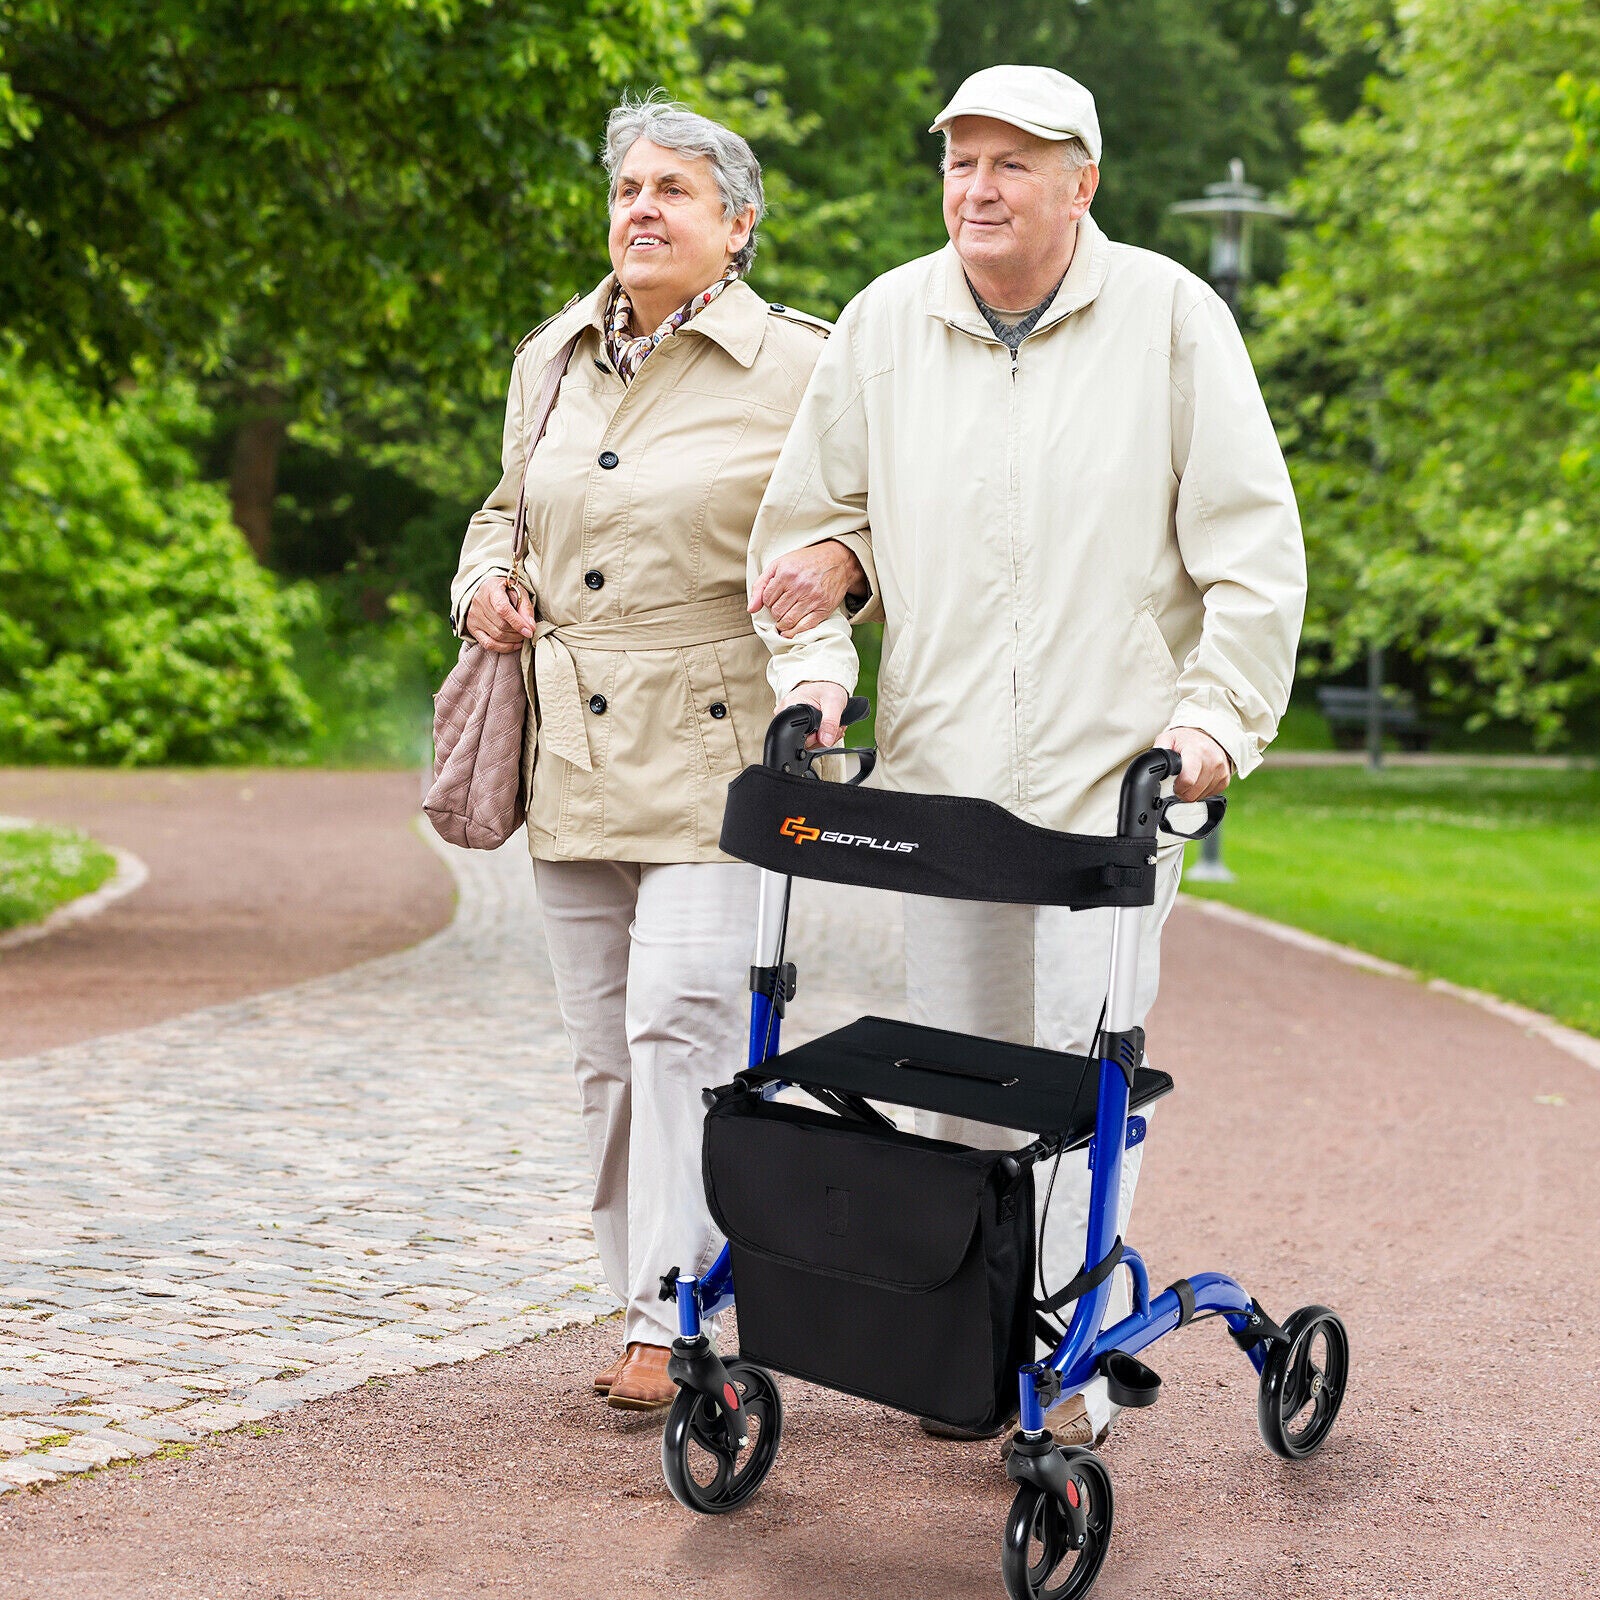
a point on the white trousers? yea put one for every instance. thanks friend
(1034, 975)
(652, 966)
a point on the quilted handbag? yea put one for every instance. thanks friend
(480, 713)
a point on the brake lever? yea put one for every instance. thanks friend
(866, 754)
(1215, 807)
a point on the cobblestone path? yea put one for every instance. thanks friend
(277, 1199)
(265, 1202)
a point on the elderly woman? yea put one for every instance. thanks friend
(648, 681)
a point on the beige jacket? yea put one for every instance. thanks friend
(647, 679)
(1072, 551)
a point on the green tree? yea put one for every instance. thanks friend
(1430, 356)
(835, 100)
(135, 627)
(343, 214)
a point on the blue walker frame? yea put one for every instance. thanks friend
(1049, 1513)
(1076, 1358)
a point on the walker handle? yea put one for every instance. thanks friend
(787, 733)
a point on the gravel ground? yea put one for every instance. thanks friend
(1337, 1136)
(258, 879)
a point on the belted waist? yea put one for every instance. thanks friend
(555, 673)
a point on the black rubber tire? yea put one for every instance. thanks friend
(1037, 1562)
(1303, 1383)
(694, 1439)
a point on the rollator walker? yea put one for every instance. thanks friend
(902, 1269)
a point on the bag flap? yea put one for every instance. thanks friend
(815, 1191)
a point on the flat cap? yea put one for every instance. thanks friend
(1038, 100)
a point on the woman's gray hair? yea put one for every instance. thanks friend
(676, 127)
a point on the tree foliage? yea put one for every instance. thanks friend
(341, 213)
(135, 626)
(1431, 356)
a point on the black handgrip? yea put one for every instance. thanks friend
(1139, 809)
(787, 733)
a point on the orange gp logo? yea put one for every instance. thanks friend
(795, 828)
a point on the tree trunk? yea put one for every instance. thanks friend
(253, 480)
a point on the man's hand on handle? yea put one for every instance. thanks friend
(1206, 768)
(808, 585)
(494, 621)
(830, 699)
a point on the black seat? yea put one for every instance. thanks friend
(1011, 1085)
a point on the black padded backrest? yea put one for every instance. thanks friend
(945, 845)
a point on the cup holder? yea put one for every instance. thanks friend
(1129, 1382)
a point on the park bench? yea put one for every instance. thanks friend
(1348, 709)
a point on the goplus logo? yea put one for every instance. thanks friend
(795, 828)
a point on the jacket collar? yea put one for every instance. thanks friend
(736, 319)
(950, 297)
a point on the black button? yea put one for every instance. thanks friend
(597, 704)
(609, 459)
(777, 307)
(718, 710)
(602, 366)
(594, 580)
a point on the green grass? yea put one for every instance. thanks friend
(1486, 876)
(42, 868)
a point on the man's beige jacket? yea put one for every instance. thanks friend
(647, 679)
(1073, 549)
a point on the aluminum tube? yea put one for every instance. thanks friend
(1122, 992)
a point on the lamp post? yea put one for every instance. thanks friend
(1229, 207)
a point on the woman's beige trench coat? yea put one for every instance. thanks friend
(647, 678)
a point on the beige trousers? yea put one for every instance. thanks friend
(652, 966)
(1034, 975)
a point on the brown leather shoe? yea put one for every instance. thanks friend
(604, 1380)
(642, 1383)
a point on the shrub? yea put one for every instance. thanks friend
(135, 626)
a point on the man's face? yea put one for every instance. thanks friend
(1009, 197)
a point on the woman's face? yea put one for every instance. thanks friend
(669, 237)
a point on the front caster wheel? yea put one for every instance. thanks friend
(705, 1469)
(1303, 1382)
(1044, 1557)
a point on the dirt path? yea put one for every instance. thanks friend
(1336, 1136)
(258, 879)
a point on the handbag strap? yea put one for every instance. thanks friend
(549, 387)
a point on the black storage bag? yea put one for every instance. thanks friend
(875, 1262)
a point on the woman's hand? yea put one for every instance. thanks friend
(494, 621)
(808, 585)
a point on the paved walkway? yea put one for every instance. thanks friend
(253, 1205)
(220, 1216)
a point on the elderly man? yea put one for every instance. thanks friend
(1043, 459)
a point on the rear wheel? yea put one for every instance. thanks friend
(1043, 1559)
(706, 1469)
(1303, 1382)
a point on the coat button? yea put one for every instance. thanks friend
(602, 366)
(609, 459)
(777, 307)
(597, 704)
(594, 580)
(718, 710)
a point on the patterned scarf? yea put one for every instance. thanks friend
(627, 353)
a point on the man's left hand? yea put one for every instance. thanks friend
(1206, 768)
(808, 585)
